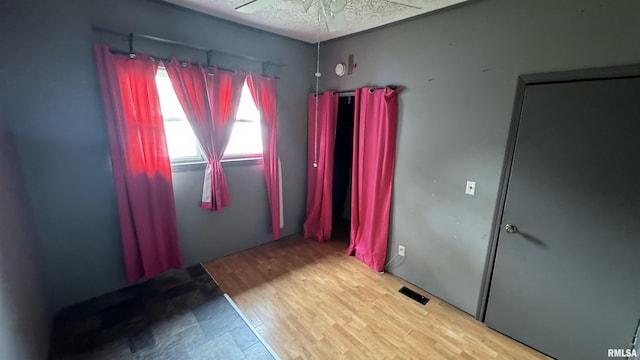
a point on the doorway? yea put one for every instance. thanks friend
(564, 260)
(342, 160)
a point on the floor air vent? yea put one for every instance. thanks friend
(414, 295)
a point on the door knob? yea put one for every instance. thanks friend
(510, 229)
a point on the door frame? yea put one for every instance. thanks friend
(603, 73)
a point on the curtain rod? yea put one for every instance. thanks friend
(265, 63)
(113, 51)
(345, 93)
(392, 87)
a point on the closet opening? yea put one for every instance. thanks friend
(342, 159)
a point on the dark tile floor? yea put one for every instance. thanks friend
(181, 315)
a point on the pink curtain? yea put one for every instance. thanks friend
(210, 102)
(141, 165)
(322, 138)
(263, 91)
(376, 120)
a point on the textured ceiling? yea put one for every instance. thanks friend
(286, 17)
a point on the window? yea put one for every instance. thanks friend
(245, 141)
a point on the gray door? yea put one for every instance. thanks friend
(567, 281)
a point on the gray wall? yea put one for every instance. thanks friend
(24, 315)
(459, 68)
(55, 110)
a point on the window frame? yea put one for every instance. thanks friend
(200, 161)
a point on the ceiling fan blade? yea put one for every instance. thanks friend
(306, 4)
(335, 21)
(254, 5)
(416, 4)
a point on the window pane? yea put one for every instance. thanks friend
(247, 109)
(181, 141)
(246, 138)
(169, 102)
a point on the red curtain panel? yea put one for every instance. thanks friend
(375, 127)
(140, 161)
(210, 100)
(263, 91)
(322, 138)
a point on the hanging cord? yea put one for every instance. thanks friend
(395, 260)
(317, 74)
(391, 262)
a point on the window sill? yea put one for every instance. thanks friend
(201, 165)
(241, 162)
(188, 166)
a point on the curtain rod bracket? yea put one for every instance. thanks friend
(209, 56)
(265, 67)
(132, 55)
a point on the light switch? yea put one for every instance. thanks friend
(471, 188)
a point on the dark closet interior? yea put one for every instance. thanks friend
(342, 159)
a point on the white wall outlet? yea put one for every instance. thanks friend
(471, 188)
(401, 250)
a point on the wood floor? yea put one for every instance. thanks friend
(309, 300)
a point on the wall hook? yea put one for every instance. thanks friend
(351, 65)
